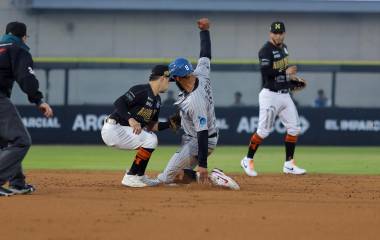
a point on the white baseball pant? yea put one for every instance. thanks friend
(122, 137)
(274, 104)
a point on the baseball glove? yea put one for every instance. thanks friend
(297, 83)
(175, 121)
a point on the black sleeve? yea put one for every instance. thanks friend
(205, 44)
(126, 101)
(163, 125)
(22, 65)
(202, 148)
(266, 63)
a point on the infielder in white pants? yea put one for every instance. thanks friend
(131, 125)
(275, 100)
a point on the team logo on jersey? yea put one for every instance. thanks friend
(202, 121)
(280, 64)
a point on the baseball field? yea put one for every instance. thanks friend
(79, 196)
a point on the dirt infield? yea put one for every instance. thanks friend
(93, 205)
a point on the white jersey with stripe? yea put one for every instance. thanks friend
(197, 108)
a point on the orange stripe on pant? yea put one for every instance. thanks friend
(141, 155)
(256, 140)
(290, 138)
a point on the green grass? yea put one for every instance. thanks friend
(338, 160)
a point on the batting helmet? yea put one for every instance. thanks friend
(180, 67)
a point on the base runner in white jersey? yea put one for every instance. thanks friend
(275, 100)
(196, 106)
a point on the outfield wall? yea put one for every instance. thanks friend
(146, 34)
(328, 126)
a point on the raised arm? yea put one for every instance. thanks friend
(204, 26)
(203, 66)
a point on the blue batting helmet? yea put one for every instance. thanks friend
(180, 67)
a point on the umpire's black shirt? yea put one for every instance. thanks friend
(138, 103)
(273, 64)
(16, 64)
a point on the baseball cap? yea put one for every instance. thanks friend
(277, 27)
(16, 28)
(180, 67)
(158, 71)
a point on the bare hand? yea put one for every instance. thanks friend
(135, 125)
(291, 70)
(203, 175)
(46, 110)
(203, 24)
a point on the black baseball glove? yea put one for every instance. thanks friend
(175, 121)
(296, 83)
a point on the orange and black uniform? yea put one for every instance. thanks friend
(139, 103)
(273, 63)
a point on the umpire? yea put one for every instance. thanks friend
(16, 64)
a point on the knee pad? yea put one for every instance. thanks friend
(151, 141)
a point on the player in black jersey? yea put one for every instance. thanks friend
(133, 121)
(275, 100)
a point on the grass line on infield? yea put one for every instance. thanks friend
(269, 159)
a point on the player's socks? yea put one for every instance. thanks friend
(290, 146)
(146, 153)
(256, 140)
(141, 161)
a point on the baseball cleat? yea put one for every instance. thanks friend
(218, 178)
(26, 189)
(4, 192)
(133, 181)
(291, 168)
(248, 166)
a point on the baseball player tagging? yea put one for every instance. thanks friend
(132, 123)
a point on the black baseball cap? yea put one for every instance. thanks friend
(158, 71)
(16, 28)
(277, 27)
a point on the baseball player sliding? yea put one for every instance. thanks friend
(275, 100)
(196, 105)
(131, 124)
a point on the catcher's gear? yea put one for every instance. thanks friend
(175, 121)
(296, 83)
